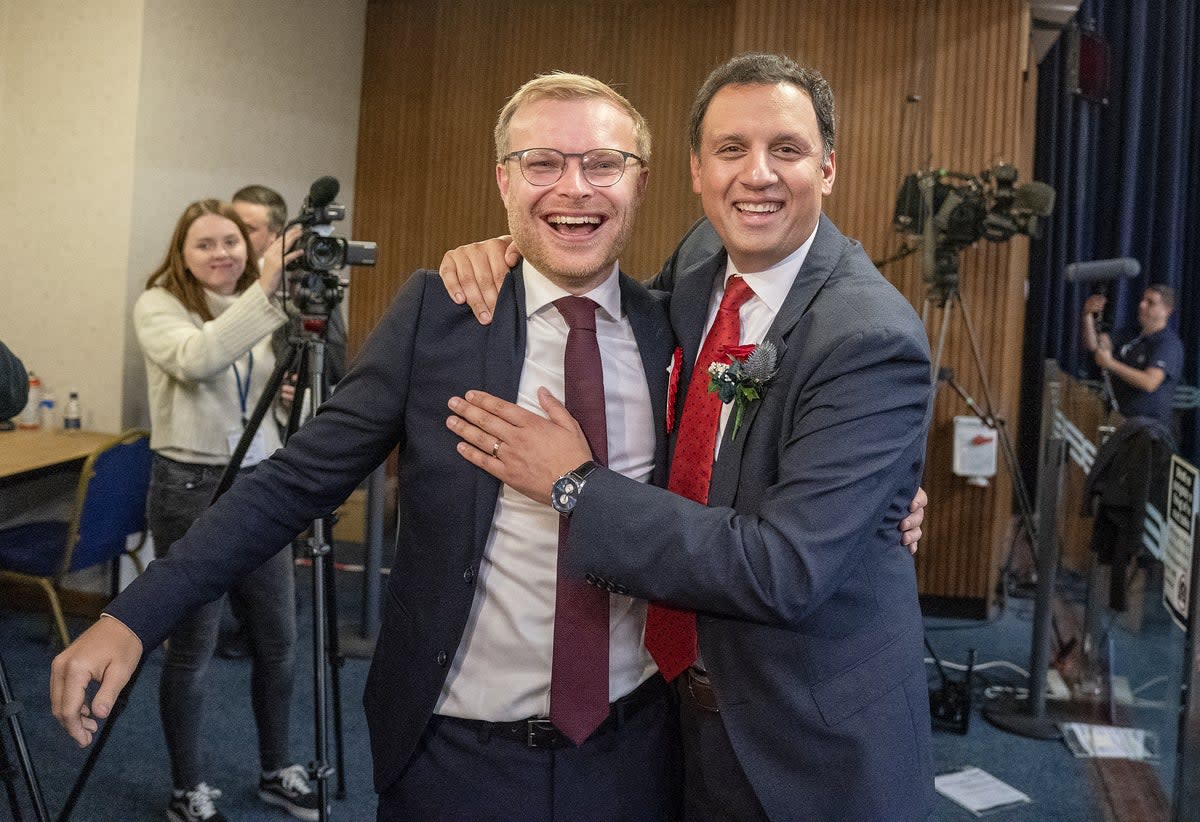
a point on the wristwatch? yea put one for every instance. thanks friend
(567, 487)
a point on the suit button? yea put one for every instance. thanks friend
(442, 659)
(621, 589)
(590, 579)
(469, 575)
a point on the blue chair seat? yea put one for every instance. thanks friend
(34, 548)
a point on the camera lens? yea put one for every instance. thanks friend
(324, 253)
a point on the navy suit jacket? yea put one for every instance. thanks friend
(807, 605)
(424, 350)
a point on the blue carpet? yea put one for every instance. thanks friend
(131, 780)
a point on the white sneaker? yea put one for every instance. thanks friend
(195, 805)
(288, 789)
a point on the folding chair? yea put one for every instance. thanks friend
(110, 505)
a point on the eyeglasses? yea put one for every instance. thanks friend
(545, 166)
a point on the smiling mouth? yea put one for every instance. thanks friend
(575, 225)
(758, 208)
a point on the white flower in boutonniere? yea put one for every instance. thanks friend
(743, 379)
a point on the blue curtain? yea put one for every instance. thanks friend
(1127, 176)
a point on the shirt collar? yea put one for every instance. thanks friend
(540, 292)
(772, 285)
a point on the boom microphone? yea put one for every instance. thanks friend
(1102, 270)
(322, 192)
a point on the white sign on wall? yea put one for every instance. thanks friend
(1183, 503)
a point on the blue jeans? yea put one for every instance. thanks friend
(179, 493)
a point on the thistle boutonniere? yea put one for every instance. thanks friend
(743, 379)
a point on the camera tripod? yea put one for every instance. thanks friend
(306, 356)
(946, 295)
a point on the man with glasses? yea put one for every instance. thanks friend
(484, 700)
(801, 399)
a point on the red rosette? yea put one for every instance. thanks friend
(673, 387)
(738, 352)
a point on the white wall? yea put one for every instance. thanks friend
(68, 104)
(114, 116)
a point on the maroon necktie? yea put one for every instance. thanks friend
(671, 632)
(579, 671)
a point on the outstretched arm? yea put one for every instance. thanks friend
(107, 653)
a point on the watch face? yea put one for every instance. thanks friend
(565, 491)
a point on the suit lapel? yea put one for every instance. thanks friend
(827, 248)
(689, 310)
(504, 357)
(647, 317)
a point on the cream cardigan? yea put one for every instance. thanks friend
(192, 389)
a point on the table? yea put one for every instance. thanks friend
(22, 452)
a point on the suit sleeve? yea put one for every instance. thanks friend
(849, 456)
(700, 243)
(351, 433)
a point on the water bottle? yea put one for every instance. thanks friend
(72, 414)
(30, 417)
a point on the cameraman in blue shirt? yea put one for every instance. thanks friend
(1146, 365)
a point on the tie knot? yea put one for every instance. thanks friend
(579, 312)
(737, 291)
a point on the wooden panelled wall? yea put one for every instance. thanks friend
(436, 72)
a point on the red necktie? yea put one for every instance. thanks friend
(671, 632)
(579, 671)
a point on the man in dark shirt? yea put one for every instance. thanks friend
(1146, 365)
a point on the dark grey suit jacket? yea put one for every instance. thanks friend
(808, 617)
(424, 350)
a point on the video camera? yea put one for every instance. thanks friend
(315, 287)
(967, 207)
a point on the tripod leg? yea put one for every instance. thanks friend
(98, 747)
(940, 349)
(335, 660)
(11, 708)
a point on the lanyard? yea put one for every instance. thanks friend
(243, 390)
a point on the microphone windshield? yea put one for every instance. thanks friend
(322, 192)
(1102, 270)
(1035, 197)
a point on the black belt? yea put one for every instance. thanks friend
(539, 732)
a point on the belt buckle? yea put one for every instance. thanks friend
(540, 733)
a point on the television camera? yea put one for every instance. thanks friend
(314, 286)
(952, 210)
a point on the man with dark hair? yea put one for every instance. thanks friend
(1147, 362)
(264, 212)
(806, 696)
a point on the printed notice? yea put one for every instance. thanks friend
(1181, 533)
(978, 791)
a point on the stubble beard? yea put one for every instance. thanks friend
(561, 267)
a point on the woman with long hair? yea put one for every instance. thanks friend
(204, 325)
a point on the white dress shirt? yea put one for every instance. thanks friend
(501, 671)
(770, 288)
